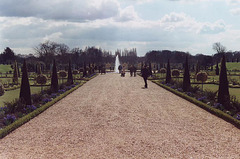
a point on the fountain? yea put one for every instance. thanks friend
(117, 63)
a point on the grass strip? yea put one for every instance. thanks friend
(202, 105)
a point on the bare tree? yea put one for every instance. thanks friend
(219, 47)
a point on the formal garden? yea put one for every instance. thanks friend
(216, 90)
(24, 95)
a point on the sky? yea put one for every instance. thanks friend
(184, 25)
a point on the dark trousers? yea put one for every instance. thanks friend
(145, 80)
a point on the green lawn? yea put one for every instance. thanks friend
(11, 95)
(233, 66)
(5, 68)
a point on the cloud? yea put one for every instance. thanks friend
(174, 17)
(235, 11)
(213, 28)
(127, 14)
(233, 2)
(74, 10)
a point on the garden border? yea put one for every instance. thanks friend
(8, 129)
(202, 105)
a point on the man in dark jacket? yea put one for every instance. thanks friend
(145, 74)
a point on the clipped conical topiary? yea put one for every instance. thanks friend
(223, 91)
(186, 77)
(15, 73)
(70, 76)
(39, 69)
(217, 69)
(197, 68)
(168, 76)
(150, 68)
(54, 79)
(25, 91)
(84, 70)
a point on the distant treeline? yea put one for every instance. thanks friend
(45, 52)
(178, 57)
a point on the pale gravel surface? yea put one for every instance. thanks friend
(113, 117)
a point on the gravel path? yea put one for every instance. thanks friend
(113, 117)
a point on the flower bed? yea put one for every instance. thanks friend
(205, 101)
(41, 102)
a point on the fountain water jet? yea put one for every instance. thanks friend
(117, 63)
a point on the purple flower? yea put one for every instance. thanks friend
(189, 94)
(173, 87)
(168, 84)
(238, 117)
(9, 119)
(202, 98)
(217, 105)
(53, 95)
(61, 91)
(3, 109)
(180, 89)
(68, 87)
(46, 100)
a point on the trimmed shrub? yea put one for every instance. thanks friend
(41, 79)
(70, 76)
(168, 76)
(15, 73)
(54, 79)
(84, 70)
(175, 73)
(150, 68)
(223, 91)
(75, 72)
(186, 77)
(163, 70)
(202, 76)
(217, 69)
(62, 73)
(1, 89)
(25, 91)
(39, 70)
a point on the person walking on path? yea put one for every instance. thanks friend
(145, 75)
(120, 68)
(134, 70)
(123, 72)
(131, 70)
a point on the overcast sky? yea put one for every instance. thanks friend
(184, 25)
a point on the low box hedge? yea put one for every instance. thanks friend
(202, 105)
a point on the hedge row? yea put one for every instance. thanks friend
(8, 129)
(202, 105)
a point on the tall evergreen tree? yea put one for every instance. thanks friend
(150, 68)
(15, 73)
(25, 92)
(84, 70)
(217, 69)
(168, 75)
(223, 91)
(197, 68)
(54, 79)
(186, 77)
(70, 76)
(38, 69)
